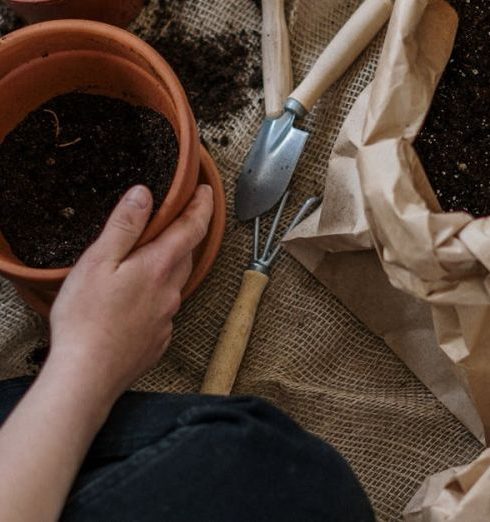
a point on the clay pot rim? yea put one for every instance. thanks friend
(214, 239)
(36, 1)
(181, 106)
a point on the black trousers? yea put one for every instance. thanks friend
(192, 458)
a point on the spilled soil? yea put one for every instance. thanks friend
(216, 70)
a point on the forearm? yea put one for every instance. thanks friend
(111, 322)
(44, 441)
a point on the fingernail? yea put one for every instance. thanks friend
(138, 197)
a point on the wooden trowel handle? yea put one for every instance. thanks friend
(232, 343)
(276, 58)
(343, 50)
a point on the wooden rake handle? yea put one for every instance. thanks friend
(276, 58)
(343, 50)
(232, 343)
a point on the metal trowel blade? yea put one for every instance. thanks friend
(269, 166)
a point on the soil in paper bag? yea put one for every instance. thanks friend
(454, 145)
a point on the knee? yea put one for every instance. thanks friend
(239, 414)
(249, 441)
(255, 423)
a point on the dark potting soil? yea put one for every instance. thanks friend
(9, 21)
(215, 70)
(454, 144)
(64, 168)
(38, 355)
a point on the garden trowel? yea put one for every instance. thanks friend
(273, 157)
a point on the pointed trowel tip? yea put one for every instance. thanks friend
(250, 208)
(269, 167)
(245, 210)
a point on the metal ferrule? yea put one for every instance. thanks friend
(296, 108)
(257, 266)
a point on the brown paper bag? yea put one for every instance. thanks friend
(436, 317)
(335, 243)
(456, 495)
(442, 258)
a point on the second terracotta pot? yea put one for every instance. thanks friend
(116, 12)
(203, 256)
(45, 60)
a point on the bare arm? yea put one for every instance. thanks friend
(111, 322)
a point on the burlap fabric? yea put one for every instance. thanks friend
(307, 354)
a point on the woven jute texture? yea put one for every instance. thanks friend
(308, 354)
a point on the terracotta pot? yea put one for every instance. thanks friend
(116, 12)
(52, 58)
(203, 257)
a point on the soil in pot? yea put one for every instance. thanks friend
(9, 21)
(64, 168)
(454, 144)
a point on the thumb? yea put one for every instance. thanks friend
(125, 225)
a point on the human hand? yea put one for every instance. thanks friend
(112, 319)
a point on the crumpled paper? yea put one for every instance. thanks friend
(442, 258)
(416, 276)
(456, 495)
(424, 256)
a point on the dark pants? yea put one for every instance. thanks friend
(190, 458)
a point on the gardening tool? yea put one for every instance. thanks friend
(276, 57)
(273, 157)
(229, 351)
(278, 83)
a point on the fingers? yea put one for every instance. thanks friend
(181, 272)
(165, 345)
(125, 225)
(185, 233)
(176, 281)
